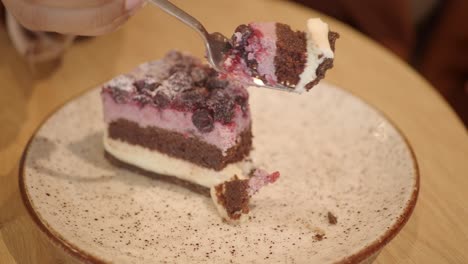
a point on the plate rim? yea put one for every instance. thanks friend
(357, 257)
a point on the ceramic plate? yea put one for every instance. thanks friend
(337, 156)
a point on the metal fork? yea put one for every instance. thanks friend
(216, 43)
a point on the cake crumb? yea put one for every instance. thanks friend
(319, 233)
(318, 236)
(332, 219)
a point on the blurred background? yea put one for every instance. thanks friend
(430, 35)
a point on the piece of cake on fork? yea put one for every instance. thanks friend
(176, 120)
(274, 54)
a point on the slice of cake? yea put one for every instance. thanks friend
(176, 120)
(272, 53)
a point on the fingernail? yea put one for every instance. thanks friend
(131, 5)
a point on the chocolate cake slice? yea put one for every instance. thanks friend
(272, 53)
(175, 119)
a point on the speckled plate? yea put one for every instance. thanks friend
(336, 155)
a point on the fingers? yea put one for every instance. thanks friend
(79, 17)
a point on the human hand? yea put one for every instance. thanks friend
(77, 17)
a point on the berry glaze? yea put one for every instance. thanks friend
(252, 54)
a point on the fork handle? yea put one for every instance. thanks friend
(182, 16)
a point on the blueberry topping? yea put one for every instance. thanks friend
(224, 113)
(214, 83)
(161, 100)
(222, 105)
(203, 120)
(179, 67)
(143, 85)
(246, 32)
(191, 99)
(119, 96)
(142, 99)
(180, 81)
(239, 43)
(198, 75)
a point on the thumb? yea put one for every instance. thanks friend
(72, 17)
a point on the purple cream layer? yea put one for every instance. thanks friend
(222, 136)
(263, 48)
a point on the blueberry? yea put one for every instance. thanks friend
(224, 112)
(161, 100)
(142, 85)
(180, 81)
(139, 85)
(241, 97)
(214, 83)
(191, 99)
(203, 120)
(198, 74)
(222, 105)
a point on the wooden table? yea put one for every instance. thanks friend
(438, 229)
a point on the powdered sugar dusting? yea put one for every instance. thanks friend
(122, 82)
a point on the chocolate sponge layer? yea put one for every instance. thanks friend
(180, 146)
(291, 54)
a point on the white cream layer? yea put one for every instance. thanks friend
(160, 163)
(317, 44)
